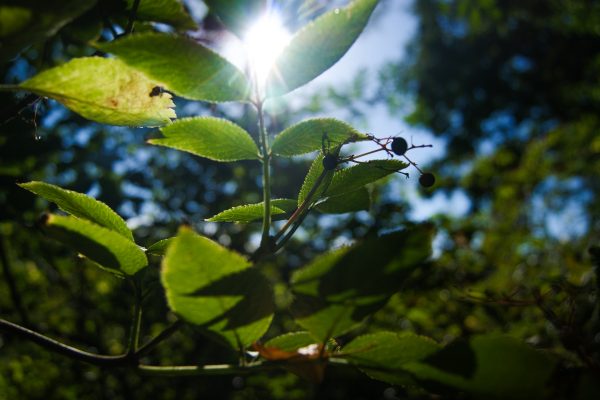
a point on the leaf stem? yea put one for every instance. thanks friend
(193, 370)
(227, 369)
(266, 159)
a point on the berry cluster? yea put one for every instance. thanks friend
(399, 147)
(391, 145)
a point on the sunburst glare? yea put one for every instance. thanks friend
(263, 43)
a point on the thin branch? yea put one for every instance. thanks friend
(65, 350)
(136, 320)
(229, 369)
(194, 370)
(266, 158)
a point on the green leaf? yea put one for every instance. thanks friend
(181, 65)
(318, 46)
(159, 248)
(215, 288)
(26, 23)
(214, 138)
(309, 135)
(252, 212)
(491, 367)
(81, 206)
(105, 247)
(166, 11)
(347, 183)
(355, 177)
(339, 289)
(383, 355)
(312, 177)
(291, 341)
(237, 14)
(104, 90)
(348, 202)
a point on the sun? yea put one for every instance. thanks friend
(263, 43)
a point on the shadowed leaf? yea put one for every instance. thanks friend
(159, 248)
(317, 46)
(107, 248)
(500, 367)
(339, 289)
(216, 289)
(237, 14)
(383, 355)
(181, 65)
(166, 11)
(348, 202)
(26, 23)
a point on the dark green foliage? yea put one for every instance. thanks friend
(191, 294)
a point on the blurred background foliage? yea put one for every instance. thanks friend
(511, 87)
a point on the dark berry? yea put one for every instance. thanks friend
(427, 179)
(329, 162)
(399, 146)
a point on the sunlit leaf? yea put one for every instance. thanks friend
(490, 367)
(215, 288)
(348, 202)
(355, 177)
(182, 66)
(80, 205)
(166, 11)
(337, 290)
(252, 212)
(383, 355)
(23, 24)
(214, 138)
(312, 135)
(105, 247)
(104, 90)
(318, 46)
(237, 14)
